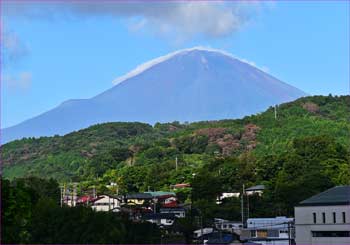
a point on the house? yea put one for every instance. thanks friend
(106, 203)
(138, 199)
(225, 195)
(163, 198)
(258, 189)
(226, 225)
(265, 231)
(180, 186)
(324, 218)
(202, 232)
(161, 219)
(85, 200)
(178, 212)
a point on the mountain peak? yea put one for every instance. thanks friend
(182, 52)
(192, 84)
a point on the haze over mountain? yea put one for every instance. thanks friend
(188, 85)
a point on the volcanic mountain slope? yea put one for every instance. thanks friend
(188, 85)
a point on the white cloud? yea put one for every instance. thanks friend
(185, 19)
(12, 47)
(21, 81)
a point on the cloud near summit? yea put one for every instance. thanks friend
(185, 19)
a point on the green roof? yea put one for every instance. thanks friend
(339, 195)
(160, 193)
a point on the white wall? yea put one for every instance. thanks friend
(106, 203)
(304, 224)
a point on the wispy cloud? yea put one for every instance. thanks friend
(19, 82)
(185, 19)
(13, 48)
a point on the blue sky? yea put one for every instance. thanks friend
(57, 52)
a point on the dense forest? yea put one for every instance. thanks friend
(297, 150)
(31, 213)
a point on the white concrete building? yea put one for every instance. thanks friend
(106, 203)
(324, 218)
(226, 225)
(265, 231)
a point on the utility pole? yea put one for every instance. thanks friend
(275, 112)
(176, 163)
(74, 194)
(242, 205)
(62, 196)
(289, 236)
(94, 191)
(248, 206)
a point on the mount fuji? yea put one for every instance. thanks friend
(188, 85)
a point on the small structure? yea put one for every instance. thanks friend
(225, 195)
(258, 189)
(202, 232)
(85, 200)
(164, 199)
(178, 212)
(226, 225)
(324, 218)
(265, 231)
(161, 219)
(180, 186)
(106, 203)
(138, 199)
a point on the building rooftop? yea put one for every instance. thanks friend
(139, 196)
(339, 195)
(256, 188)
(160, 193)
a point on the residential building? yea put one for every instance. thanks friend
(265, 231)
(203, 231)
(258, 189)
(106, 203)
(226, 195)
(226, 225)
(180, 186)
(164, 199)
(138, 199)
(178, 212)
(324, 218)
(161, 219)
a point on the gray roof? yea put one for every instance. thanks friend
(256, 188)
(339, 195)
(139, 196)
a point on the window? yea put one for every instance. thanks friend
(330, 233)
(272, 233)
(253, 233)
(334, 218)
(314, 217)
(324, 218)
(344, 218)
(262, 233)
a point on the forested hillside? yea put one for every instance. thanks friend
(301, 152)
